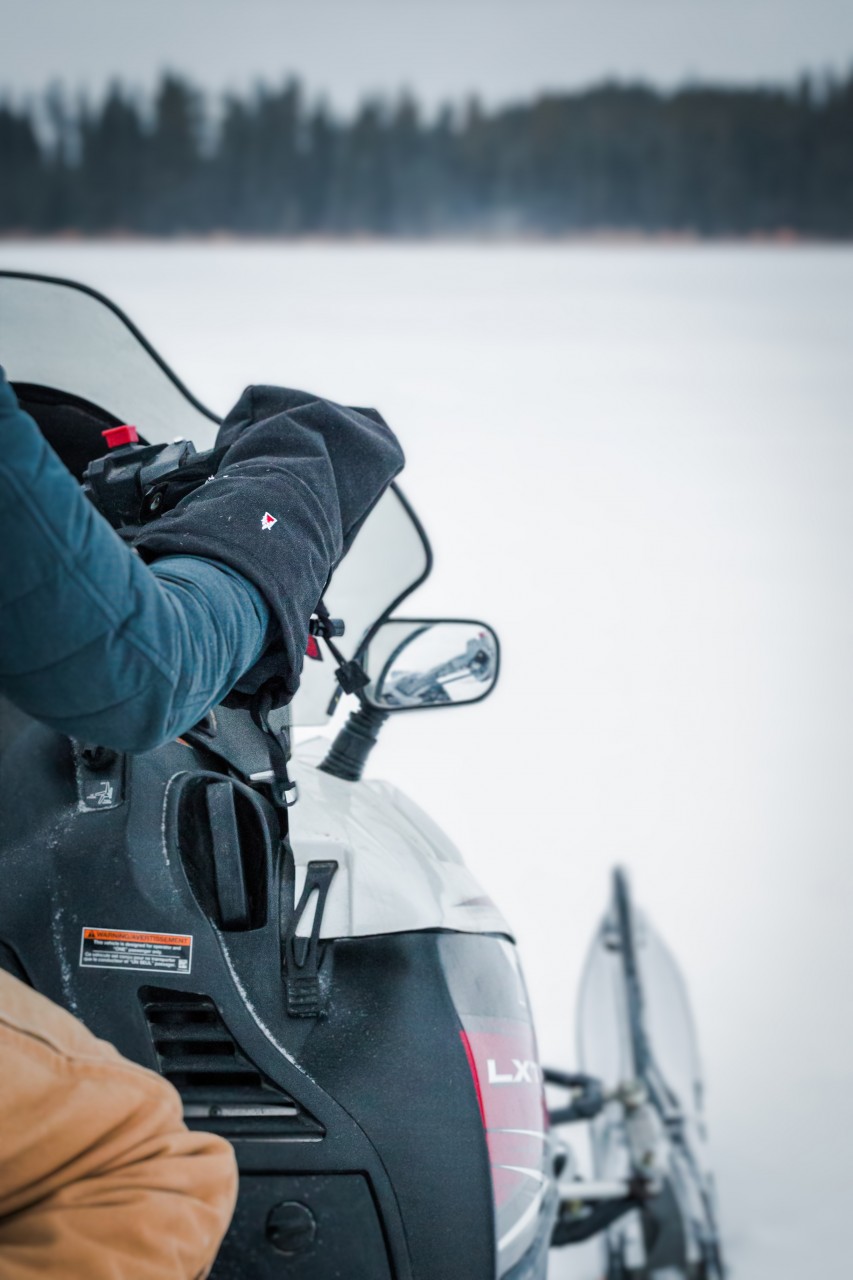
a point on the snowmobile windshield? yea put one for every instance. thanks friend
(603, 1019)
(58, 335)
(64, 346)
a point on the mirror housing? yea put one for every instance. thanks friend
(414, 663)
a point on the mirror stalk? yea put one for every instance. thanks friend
(348, 753)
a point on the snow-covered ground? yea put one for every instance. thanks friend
(638, 464)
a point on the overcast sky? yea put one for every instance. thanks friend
(503, 49)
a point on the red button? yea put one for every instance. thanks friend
(116, 436)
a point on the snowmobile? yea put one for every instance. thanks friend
(301, 951)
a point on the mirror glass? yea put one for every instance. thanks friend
(430, 663)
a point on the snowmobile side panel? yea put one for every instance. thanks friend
(305, 1227)
(112, 911)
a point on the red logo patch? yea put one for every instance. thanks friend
(268, 521)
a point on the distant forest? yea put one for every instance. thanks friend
(706, 161)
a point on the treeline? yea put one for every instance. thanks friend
(710, 161)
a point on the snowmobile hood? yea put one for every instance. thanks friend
(397, 870)
(67, 338)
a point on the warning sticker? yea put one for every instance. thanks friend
(121, 949)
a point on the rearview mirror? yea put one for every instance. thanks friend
(430, 662)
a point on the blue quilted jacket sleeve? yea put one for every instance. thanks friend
(93, 641)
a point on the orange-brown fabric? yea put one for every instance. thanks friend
(99, 1177)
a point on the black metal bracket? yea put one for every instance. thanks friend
(301, 954)
(351, 675)
(284, 792)
(587, 1103)
(573, 1228)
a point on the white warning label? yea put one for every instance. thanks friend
(125, 949)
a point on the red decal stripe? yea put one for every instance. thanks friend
(469, 1054)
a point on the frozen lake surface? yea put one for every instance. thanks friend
(638, 464)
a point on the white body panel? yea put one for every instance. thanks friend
(397, 871)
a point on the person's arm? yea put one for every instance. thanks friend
(92, 640)
(298, 478)
(99, 1176)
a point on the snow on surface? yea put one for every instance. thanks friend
(638, 464)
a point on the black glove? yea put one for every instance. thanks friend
(296, 481)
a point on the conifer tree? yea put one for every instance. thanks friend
(705, 160)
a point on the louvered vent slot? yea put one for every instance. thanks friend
(220, 1087)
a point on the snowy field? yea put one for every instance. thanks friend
(638, 464)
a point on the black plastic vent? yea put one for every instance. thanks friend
(221, 1088)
